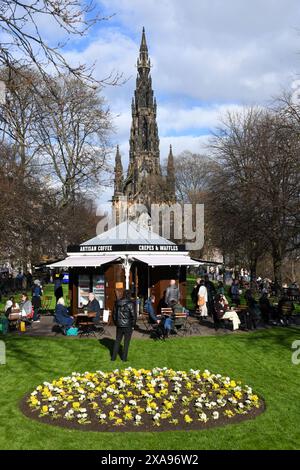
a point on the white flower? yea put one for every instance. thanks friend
(156, 416)
(215, 415)
(241, 405)
(51, 409)
(138, 418)
(102, 416)
(132, 402)
(203, 417)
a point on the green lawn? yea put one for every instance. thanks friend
(261, 359)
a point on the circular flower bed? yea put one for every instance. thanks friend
(130, 399)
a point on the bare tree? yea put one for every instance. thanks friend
(258, 155)
(192, 173)
(19, 115)
(73, 130)
(25, 43)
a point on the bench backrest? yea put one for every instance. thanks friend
(166, 311)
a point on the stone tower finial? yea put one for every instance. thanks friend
(118, 173)
(143, 63)
(171, 175)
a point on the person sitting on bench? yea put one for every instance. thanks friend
(149, 308)
(94, 306)
(61, 314)
(223, 313)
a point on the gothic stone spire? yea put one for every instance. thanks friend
(144, 182)
(144, 158)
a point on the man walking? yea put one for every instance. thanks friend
(124, 316)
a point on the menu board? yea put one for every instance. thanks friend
(99, 288)
(83, 289)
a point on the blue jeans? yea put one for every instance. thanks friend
(168, 324)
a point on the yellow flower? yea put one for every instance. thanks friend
(232, 384)
(254, 398)
(216, 386)
(76, 405)
(188, 419)
(118, 421)
(45, 409)
(168, 404)
(238, 395)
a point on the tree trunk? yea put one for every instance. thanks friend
(253, 267)
(277, 266)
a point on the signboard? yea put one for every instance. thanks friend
(114, 248)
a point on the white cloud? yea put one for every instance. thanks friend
(208, 56)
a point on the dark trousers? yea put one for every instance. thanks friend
(36, 302)
(126, 332)
(248, 319)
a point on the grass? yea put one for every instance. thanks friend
(261, 359)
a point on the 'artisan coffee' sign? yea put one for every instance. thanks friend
(124, 248)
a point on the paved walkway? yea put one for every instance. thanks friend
(46, 328)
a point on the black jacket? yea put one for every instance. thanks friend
(94, 306)
(219, 310)
(124, 314)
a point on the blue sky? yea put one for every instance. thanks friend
(208, 56)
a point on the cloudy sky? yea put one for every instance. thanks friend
(207, 56)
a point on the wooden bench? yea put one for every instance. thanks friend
(150, 327)
(46, 302)
(166, 311)
(180, 320)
